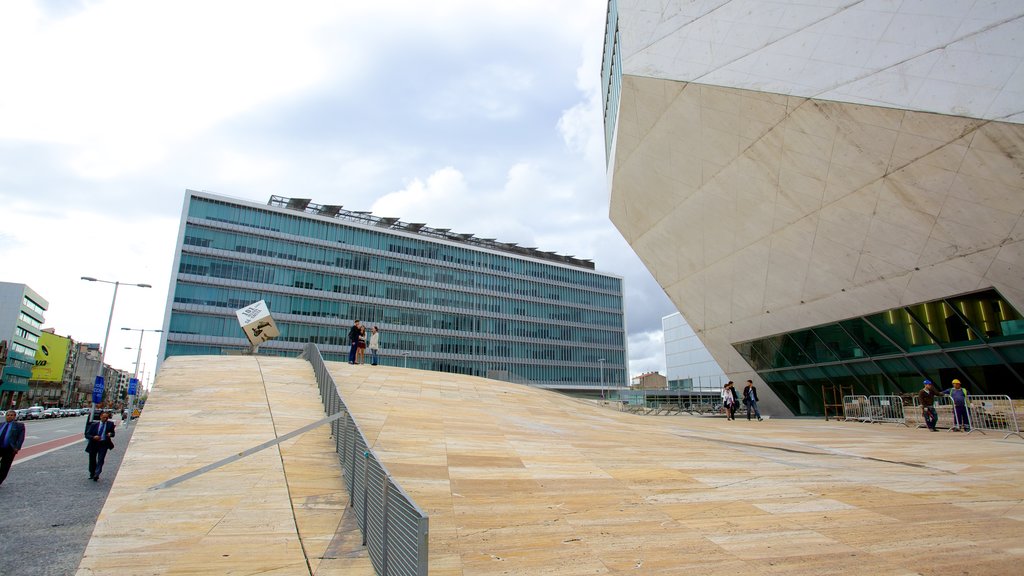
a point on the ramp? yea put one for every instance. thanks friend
(279, 511)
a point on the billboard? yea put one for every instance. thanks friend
(51, 357)
(257, 324)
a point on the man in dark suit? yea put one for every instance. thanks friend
(12, 434)
(99, 435)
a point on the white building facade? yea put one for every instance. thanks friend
(688, 363)
(831, 193)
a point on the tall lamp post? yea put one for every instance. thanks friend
(103, 351)
(601, 362)
(138, 359)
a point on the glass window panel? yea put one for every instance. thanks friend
(871, 342)
(773, 351)
(809, 349)
(945, 324)
(931, 362)
(901, 372)
(1013, 353)
(979, 357)
(838, 343)
(901, 328)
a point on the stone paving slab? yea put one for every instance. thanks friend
(274, 512)
(518, 480)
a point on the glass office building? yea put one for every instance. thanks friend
(21, 324)
(443, 301)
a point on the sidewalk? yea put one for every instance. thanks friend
(49, 507)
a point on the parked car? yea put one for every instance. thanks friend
(51, 413)
(22, 413)
(34, 413)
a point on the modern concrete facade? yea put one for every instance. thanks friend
(443, 301)
(21, 323)
(831, 194)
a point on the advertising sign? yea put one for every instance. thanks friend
(257, 324)
(133, 385)
(51, 357)
(97, 390)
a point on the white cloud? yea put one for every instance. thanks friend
(482, 117)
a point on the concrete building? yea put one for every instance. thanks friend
(688, 363)
(443, 301)
(648, 381)
(831, 193)
(21, 322)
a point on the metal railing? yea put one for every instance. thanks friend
(395, 530)
(886, 409)
(856, 408)
(983, 413)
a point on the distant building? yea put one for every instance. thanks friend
(830, 193)
(649, 381)
(688, 363)
(444, 301)
(21, 320)
(53, 372)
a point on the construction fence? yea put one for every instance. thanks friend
(983, 414)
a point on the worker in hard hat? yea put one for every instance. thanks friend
(961, 418)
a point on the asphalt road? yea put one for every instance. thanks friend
(48, 505)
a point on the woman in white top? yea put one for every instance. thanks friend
(374, 345)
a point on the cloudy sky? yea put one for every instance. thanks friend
(481, 117)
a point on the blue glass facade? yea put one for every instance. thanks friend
(447, 305)
(611, 76)
(977, 338)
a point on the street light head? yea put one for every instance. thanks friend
(129, 329)
(143, 285)
(89, 278)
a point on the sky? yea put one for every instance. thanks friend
(481, 117)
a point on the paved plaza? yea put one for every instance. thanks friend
(518, 480)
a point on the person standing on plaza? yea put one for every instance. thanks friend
(927, 397)
(374, 345)
(361, 348)
(353, 342)
(12, 435)
(750, 399)
(98, 436)
(959, 396)
(730, 400)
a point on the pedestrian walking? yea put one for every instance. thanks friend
(961, 420)
(374, 345)
(927, 397)
(98, 436)
(12, 435)
(730, 399)
(750, 400)
(353, 341)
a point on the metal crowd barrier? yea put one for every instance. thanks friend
(991, 413)
(856, 408)
(886, 409)
(994, 414)
(395, 530)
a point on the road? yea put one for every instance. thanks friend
(48, 505)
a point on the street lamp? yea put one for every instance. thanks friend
(601, 362)
(405, 359)
(138, 359)
(110, 318)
